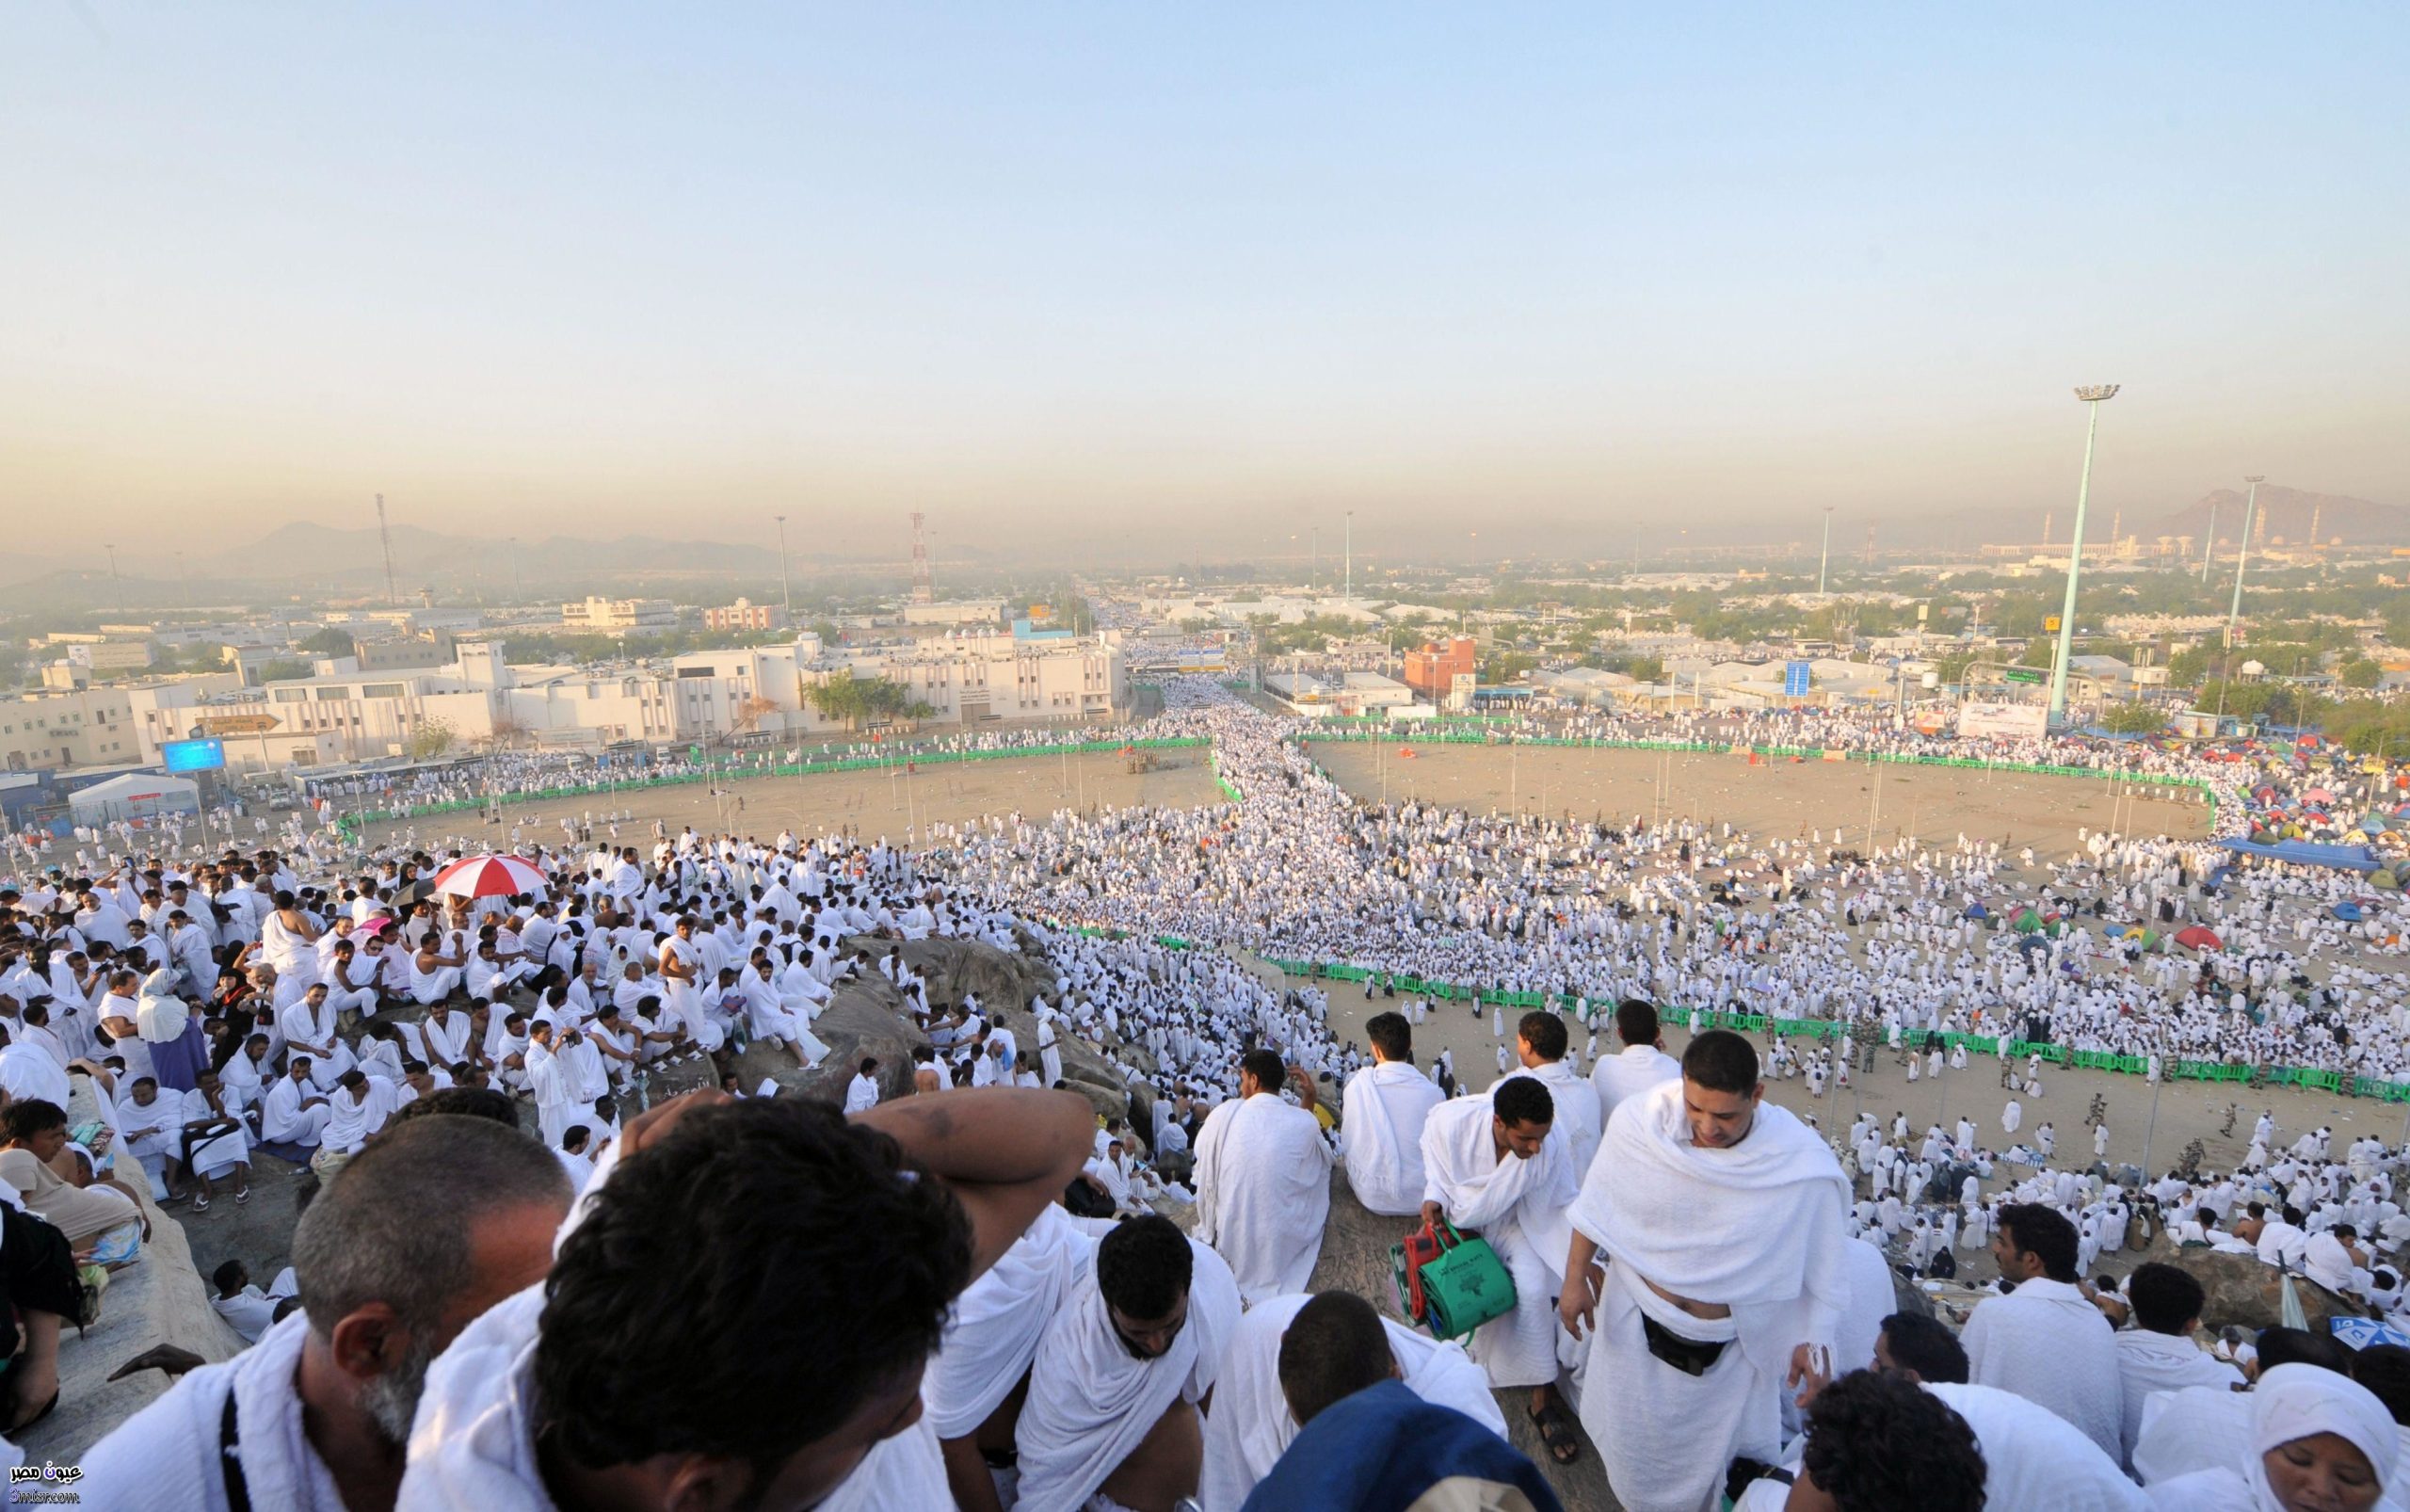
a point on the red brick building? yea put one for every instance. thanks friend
(1429, 670)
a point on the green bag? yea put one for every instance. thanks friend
(1465, 1286)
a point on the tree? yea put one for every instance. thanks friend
(328, 643)
(432, 738)
(2362, 673)
(283, 669)
(2134, 720)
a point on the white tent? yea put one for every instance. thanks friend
(135, 796)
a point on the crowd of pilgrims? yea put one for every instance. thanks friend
(289, 1000)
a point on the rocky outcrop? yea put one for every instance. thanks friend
(2247, 1293)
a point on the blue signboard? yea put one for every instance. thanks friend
(1794, 679)
(194, 755)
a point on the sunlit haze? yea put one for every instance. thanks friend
(1149, 281)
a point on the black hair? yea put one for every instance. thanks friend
(1721, 1061)
(1391, 1035)
(788, 1260)
(1636, 1021)
(467, 1102)
(1523, 1100)
(33, 1115)
(2385, 1370)
(1335, 1347)
(1266, 1069)
(1876, 1441)
(2165, 1300)
(2043, 1233)
(1143, 1266)
(227, 1276)
(1544, 1033)
(2299, 1347)
(1926, 1345)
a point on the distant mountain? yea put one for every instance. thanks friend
(2289, 514)
(308, 550)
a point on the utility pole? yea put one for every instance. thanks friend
(2209, 548)
(2091, 397)
(786, 595)
(112, 551)
(2243, 550)
(1826, 560)
(1348, 595)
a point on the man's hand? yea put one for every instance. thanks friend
(1578, 1308)
(1434, 1214)
(1807, 1376)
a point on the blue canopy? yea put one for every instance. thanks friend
(2348, 912)
(2304, 853)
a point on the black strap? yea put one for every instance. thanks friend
(229, 1457)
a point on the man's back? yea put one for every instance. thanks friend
(2048, 1345)
(1382, 1113)
(1635, 1070)
(2147, 1362)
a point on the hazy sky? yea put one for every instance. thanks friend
(1188, 276)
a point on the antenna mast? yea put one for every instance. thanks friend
(924, 589)
(385, 540)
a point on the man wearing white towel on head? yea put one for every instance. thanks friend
(1380, 1125)
(1286, 1337)
(1490, 1164)
(1112, 1395)
(1723, 1217)
(1264, 1181)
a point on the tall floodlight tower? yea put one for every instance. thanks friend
(385, 541)
(1825, 559)
(1348, 594)
(2209, 547)
(786, 594)
(923, 585)
(2092, 396)
(2242, 549)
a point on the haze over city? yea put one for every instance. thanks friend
(1149, 284)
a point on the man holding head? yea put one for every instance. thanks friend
(1723, 1215)
(1263, 1179)
(414, 1238)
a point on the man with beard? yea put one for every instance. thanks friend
(430, 1226)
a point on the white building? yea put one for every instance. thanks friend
(618, 616)
(67, 726)
(956, 612)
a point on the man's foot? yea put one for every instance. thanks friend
(200, 1203)
(1556, 1432)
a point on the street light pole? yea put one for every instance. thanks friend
(1348, 594)
(2243, 550)
(2093, 398)
(2209, 547)
(1825, 560)
(786, 595)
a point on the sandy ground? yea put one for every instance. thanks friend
(1782, 800)
(873, 803)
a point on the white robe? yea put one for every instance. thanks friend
(1637, 1070)
(1091, 1401)
(1577, 1124)
(1251, 1426)
(1758, 1227)
(165, 1458)
(1518, 1206)
(1264, 1192)
(2148, 1363)
(2049, 1346)
(1380, 1134)
(992, 1332)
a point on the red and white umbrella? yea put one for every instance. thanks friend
(490, 876)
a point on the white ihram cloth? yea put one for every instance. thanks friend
(1251, 1427)
(992, 1331)
(2047, 1342)
(1091, 1401)
(1380, 1134)
(472, 1445)
(1264, 1192)
(1518, 1206)
(1626, 1075)
(2034, 1459)
(1757, 1228)
(2148, 1363)
(165, 1458)
(2290, 1402)
(1576, 1122)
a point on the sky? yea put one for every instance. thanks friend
(1187, 280)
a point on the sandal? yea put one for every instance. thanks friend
(1556, 1433)
(242, 1197)
(200, 1203)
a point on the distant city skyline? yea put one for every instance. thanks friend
(1181, 282)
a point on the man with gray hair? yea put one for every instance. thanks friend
(434, 1222)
